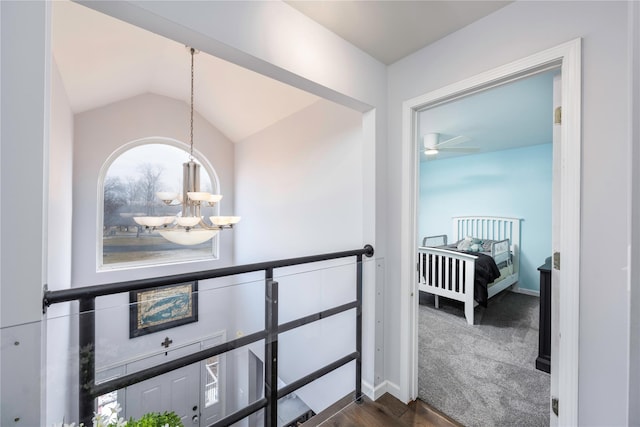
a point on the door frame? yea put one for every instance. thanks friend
(567, 56)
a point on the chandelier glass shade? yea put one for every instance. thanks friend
(189, 227)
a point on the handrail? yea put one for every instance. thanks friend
(89, 390)
(73, 294)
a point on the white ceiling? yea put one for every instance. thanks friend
(104, 60)
(517, 114)
(392, 29)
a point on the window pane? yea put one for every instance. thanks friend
(211, 385)
(107, 406)
(129, 190)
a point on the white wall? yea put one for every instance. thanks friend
(299, 186)
(60, 181)
(299, 189)
(518, 30)
(24, 118)
(59, 242)
(98, 133)
(634, 159)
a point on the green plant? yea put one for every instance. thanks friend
(151, 419)
(155, 419)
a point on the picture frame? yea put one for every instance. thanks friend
(163, 307)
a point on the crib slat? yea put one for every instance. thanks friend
(452, 274)
(433, 279)
(445, 271)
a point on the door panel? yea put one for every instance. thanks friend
(176, 391)
(183, 390)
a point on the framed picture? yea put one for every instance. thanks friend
(152, 310)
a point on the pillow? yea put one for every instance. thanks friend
(475, 247)
(471, 244)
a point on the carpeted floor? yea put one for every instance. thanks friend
(483, 375)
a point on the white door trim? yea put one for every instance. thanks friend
(568, 56)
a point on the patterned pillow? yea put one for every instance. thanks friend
(471, 244)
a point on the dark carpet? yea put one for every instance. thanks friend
(483, 375)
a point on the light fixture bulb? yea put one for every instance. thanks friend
(185, 237)
(431, 151)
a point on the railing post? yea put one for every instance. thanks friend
(86, 365)
(271, 350)
(358, 396)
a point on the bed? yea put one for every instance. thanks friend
(481, 260)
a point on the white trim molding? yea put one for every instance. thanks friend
(566, 57)
(374, 393)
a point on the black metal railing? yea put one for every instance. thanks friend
(89, 390)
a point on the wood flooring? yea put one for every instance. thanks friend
(387, 411)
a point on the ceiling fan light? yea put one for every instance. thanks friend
(431, 151)
(431, 140)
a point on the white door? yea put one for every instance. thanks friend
(176, 391)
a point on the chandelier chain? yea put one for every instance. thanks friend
(191, 122)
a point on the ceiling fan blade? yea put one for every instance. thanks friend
(459, 149)
(453, 141)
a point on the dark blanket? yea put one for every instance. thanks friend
(486, 272)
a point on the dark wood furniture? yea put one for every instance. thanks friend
(543, 362)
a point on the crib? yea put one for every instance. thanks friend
(444, 271)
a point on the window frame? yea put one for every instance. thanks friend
(206, 167)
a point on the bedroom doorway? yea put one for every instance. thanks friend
(566, 217)
(493, 165)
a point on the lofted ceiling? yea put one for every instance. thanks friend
(103, 60)
(392, 29)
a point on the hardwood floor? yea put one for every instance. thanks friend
(387, 411)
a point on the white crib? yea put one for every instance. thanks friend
(454, 277)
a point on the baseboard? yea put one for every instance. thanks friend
(368, 390)
(526, 292)
(375, 392)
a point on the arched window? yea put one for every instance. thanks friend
(127, 187)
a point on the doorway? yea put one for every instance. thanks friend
(566, 218)
(196, 392)
(493, 159)
(176, 391)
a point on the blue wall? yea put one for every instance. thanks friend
(512, 183)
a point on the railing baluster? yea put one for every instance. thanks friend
(358, 395)
(86, 356)
(271, 350)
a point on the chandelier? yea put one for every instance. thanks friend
(188, 227)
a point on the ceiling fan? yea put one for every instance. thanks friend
(433, 145)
